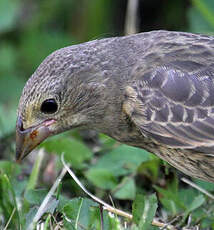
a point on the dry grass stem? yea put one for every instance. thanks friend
(11, 216)
(44, 203)
(131, 17)
(197, 187)
(106, 206)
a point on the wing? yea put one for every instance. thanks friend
(173, 107)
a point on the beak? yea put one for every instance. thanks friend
(28, 139)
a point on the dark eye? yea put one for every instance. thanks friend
(49, 106)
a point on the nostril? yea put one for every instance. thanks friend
(20, 124)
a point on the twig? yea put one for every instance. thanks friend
(47, 198)
(106, 206)
(98, 200)
(197, 187)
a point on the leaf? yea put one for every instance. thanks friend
(8, 200)
(29, 216)
(150, 168)
(19, 186)
(73, 208)
(170, 197)
(51, 205)
(9, 168)
(126, 190)
(75, 152)
(101, 178)
(122, 160)
(63, 201)
(205, 185)
(49, 208)
(187, 195)
(79, 213)
(143, 210)
(35, 196)
(82, 213)
(196, 203)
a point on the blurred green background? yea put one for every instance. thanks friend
(32, 29)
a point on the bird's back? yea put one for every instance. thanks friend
(171, 100)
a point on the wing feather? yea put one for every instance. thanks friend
(174, 107)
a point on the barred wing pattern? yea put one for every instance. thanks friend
(175, 108)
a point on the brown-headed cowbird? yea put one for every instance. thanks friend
(153, 90)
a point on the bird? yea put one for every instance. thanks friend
(152, 90)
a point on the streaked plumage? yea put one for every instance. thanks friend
(152, 90)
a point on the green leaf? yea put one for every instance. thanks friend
(72, 208)
(126, 190)
(79, 212)
(29, 216)
(170, 197)
(49, 208)
(143, 210)
(19, 186)
(101, 178)
(196, 203)
(51, 205)
(8, 200)
(107, 142)
(35, 196)
(150, 168)
(123, 160)
(82, 213)
(208, 186)
(9, 168)
(187, 195)
(75, 152)
(63, 201)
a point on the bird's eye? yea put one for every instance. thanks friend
(49, 106)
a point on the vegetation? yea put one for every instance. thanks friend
(128, 178)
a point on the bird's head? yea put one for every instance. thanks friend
(62, 94)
